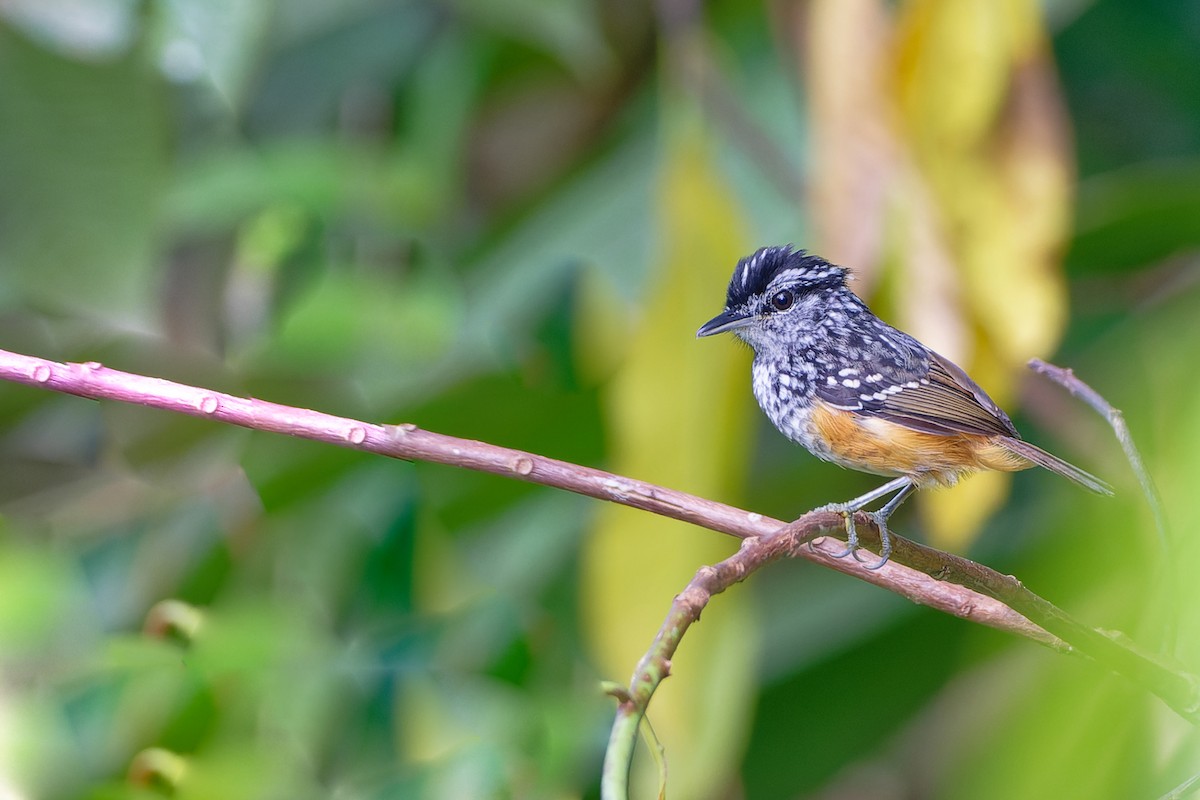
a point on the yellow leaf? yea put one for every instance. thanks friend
(677, 413)
(952, 63)
(984, 121)
(854, 147)
(941, 154)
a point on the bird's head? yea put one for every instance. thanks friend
(777, 295)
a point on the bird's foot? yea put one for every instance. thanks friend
(847, 512)
(899, 488)
(852, 546)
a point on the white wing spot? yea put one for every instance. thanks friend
(851, 383)
(874, 377)
(843, 373)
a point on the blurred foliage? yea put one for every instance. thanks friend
(505, 221)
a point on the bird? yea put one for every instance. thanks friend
(853, 390)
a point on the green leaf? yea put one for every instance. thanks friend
(82, 162)
(1136, 217)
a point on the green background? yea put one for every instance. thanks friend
(449, 213)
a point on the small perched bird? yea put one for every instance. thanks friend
(832, 376)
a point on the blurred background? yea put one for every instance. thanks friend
(505, 221)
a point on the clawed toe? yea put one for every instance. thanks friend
(851, 531)
(880, 518)
(885, 539)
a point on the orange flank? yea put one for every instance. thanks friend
(874, 444)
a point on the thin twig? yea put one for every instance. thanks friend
(658, 752)
(1066, 378)
(1183, 789)
(655, 665)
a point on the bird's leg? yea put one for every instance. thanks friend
(902, 487)
(880, 519)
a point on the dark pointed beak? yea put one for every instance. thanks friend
(725, 321)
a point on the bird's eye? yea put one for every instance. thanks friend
(782, 301)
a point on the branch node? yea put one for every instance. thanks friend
(614, 689)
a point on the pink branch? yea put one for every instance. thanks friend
(408, 442)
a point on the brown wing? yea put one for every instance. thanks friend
(947, 401)
(925, 392)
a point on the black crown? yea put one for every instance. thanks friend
(754, 273)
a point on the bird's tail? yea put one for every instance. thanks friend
(1055, 464)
